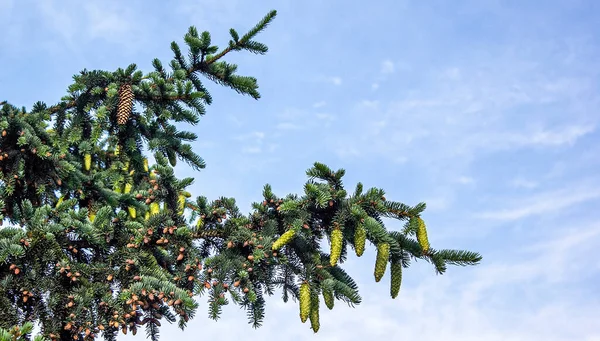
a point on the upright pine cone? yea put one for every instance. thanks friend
(125, 105)
(383, 254)
(328, 298)
(305, 302)
(422, 235)
(336, 246)
(396, 278)
(285, 238)
(314, 312)
(360, 236)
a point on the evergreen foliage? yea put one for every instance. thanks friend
(98, 242)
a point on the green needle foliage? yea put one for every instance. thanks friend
(97, 242)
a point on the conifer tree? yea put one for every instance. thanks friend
(96, 241)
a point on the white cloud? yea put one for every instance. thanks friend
(255, 135)
(325, 117)
(565, 136)
(437, 203)
(251, 150)
(550, 202)
(234, 120)
(523, 183)
(251, 142)
(288, 126)
(374, 86)
(319, 104)
(336, 80)
(370, 104)
(452, 73)
(112, 23)
(78, 23)
(387, 67)
(465, 180)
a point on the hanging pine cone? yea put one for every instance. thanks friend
(125, 105)
(360, 237)
(422, 235)
(396, 278)
(87, 161)
(132, 212)
(336, 246)
(328, 298)
(305, 302)
(383, 254)
(285, 238)
(314, 312)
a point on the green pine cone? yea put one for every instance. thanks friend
(132, 212)
(396, 268)
(154, 208)
(304, 302)
(172, 158)
(360, 237)
(422, 235)
(314, 312)
(285, 238)
(87, 161)
(383, 254)
(181, 202)
(336, 246)
(328, 298)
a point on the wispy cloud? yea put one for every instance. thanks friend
(387, 67)
(251, 150)
(550, 202)
(84, 22)
(319, 104)
(523, 183)
(287, 126)
(465, 180)
(335, 80)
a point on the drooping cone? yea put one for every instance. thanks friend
(132, 212)
(304, 302)
(154, 208)
(87, 161)
(314, 312)
(336, 246)
(396, 268)
(172, 158)
(285, 238)
(383, 254)
(422, 235)
(125, 105)
(60, 200)
(145, 165)
(181, 202)
(360, 237)
(328, 298)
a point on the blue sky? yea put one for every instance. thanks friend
(485, 110)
